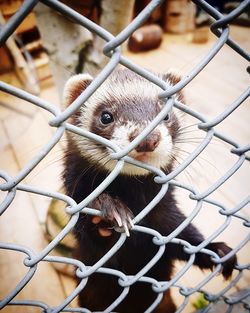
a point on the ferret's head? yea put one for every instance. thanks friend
(119, 110)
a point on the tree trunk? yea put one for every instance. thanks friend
(115, 16)
(64, 42)
(71, 47)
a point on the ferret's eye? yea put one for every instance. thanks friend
(106, 118)
(167, 117)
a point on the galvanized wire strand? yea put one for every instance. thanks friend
(24, 281)
(36, 159)
(223, 22)
(16, 20)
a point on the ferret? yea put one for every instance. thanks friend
(118, 111)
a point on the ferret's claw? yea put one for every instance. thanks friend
(114, 213)
(124, 222)
(117, 218)
(131, 223)
(125, 226)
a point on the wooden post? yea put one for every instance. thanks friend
(179, 16)
(63, 41)
(23, 69)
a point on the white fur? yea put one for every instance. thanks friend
(160, 157)
(71, 84)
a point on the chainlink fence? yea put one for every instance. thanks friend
(220, 28)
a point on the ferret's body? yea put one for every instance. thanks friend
(120, 116)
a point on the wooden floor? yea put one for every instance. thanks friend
(24, 130)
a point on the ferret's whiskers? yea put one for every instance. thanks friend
(197, 160)
(186, 171)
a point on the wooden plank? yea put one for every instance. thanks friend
(36, 132)
(10, 7)
(13, 229)
(27, 24)
(4, 140)
(28, 136)
(6, 63)
(69, 285)
(14, 118)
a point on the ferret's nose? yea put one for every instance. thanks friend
(149, 144)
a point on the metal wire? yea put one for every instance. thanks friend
(11, 184)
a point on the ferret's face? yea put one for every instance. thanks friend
(119, 110)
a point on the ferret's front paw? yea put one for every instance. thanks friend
(222, 249)
(115, 215)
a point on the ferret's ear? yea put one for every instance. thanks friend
(173, 77)
(74, 87)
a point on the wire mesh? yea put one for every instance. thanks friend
(12, 184)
